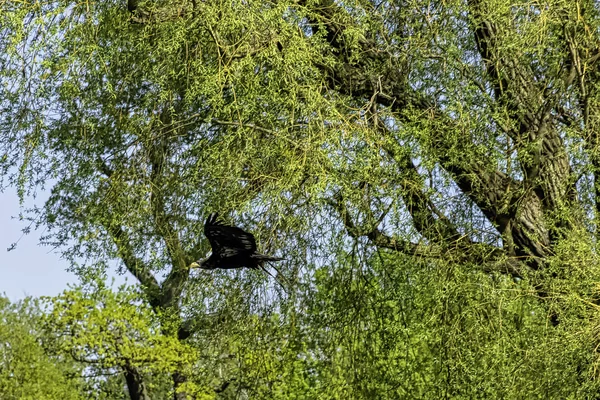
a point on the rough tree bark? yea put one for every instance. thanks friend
(135, 384)
(532, 213)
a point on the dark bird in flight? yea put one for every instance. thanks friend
(232, 247)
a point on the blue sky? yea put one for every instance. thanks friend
(29, 269)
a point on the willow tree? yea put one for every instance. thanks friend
(459, 132)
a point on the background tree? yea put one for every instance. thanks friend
(26, 370)
(430, 166)
(115, 334)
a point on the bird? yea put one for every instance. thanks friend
(232, 247)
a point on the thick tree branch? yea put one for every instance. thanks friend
(133, 264)
(172, 287)
(420, 206)
(489, 258)
(377, 237)
(178, 380)
(125, 250)
(483, 186)
(515, 208)
(529, 101)
(500, 197)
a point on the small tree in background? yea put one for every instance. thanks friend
(26, 371)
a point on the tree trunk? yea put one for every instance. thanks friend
(178, 380)
(135, 384)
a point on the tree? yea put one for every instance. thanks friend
(113, 333)
(26, 370)
(459, 133)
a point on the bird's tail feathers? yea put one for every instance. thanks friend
(275, 277)
(263, 257)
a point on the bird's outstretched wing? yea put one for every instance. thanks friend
(227, 240)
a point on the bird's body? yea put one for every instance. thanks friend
(254, 261)
(232, 247)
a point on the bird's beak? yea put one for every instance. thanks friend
(194, 265)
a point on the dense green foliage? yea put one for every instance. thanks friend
(27, 371)
(428, 170)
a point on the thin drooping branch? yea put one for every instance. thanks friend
(175, 281)
(243, 125)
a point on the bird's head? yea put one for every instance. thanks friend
(203, 263)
